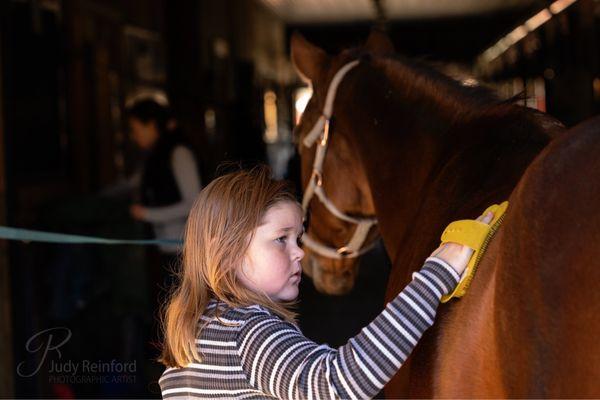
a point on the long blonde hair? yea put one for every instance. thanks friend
(218, 232)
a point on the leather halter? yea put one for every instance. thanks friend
(315, 185)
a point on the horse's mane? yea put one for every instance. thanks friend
(441, 93)
(432, 71)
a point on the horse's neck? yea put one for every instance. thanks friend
(421, 180)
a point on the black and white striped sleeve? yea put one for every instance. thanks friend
(278, 360)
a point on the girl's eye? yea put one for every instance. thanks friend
(299, 241)
(281, 239)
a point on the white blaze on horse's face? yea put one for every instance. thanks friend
(333, 269)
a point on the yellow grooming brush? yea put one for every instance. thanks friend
(476, 235)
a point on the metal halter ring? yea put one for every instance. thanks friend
(344, 251)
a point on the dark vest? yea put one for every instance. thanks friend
(158, 186)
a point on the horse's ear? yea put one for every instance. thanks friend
(379, 43)
(307, 58)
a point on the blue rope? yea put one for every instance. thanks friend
(27, 235)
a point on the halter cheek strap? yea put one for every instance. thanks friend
(319, 127)
(315, 185)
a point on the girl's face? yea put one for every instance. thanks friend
(272, 262)
(144, 134)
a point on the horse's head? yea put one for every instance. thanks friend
(337, 199)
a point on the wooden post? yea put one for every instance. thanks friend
(6, 356)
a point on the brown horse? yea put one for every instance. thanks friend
(418, 150)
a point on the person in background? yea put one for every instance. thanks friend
(168, 182)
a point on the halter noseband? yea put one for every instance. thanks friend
(315, 185)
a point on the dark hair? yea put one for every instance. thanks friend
(149, 110)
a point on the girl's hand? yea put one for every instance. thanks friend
(457, 255)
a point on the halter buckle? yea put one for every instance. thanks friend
(344, 251)
(319, 176)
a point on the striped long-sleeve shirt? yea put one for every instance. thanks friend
(254, 354)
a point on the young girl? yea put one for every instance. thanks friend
(228, 329)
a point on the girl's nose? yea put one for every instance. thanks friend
(298, 254)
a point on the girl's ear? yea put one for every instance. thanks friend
(308, 59)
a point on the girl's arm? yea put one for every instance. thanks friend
(282, 362)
